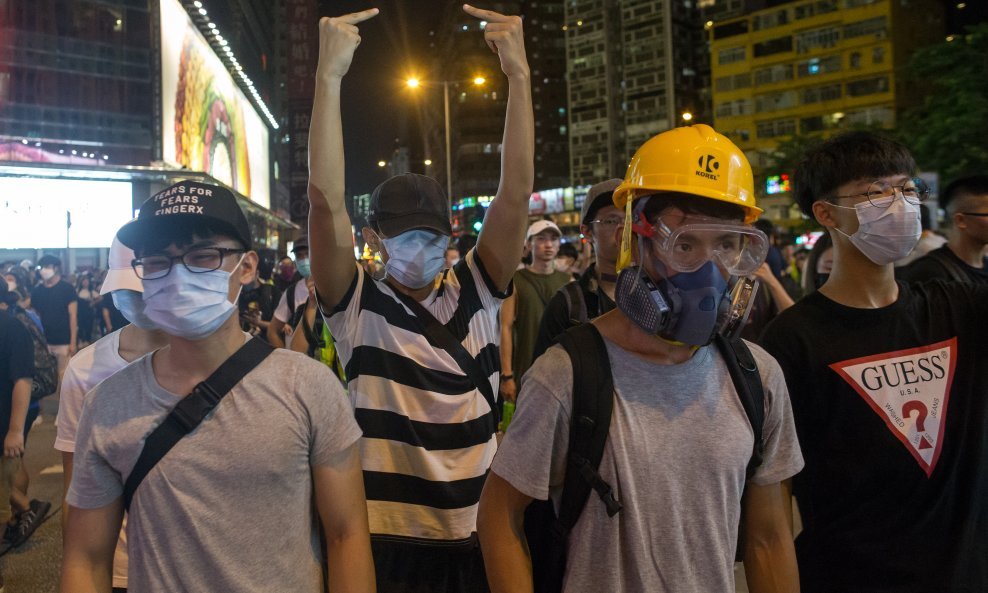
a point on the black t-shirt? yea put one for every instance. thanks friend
(891, 408)
(117, 318)
(557, 317)
(16, 362)
(52, 305)
(933, 267)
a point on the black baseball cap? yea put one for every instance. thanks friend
(407, 202)
(184, 203)
(300, 243)
(598, 195)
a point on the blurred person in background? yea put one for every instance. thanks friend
(88, 302)
(816, 270)
(962, 259)
(928, 239)
(56, 303)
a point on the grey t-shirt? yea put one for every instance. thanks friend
(230, 507)
(676, 455)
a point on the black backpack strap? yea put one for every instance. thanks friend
(576, 303)
(593, 402)
(954, 270)
(748, 383)
(440, 336)
(193, 409)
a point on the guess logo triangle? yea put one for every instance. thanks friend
(909, 389)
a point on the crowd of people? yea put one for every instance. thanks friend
(503, 414)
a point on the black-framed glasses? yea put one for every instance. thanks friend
(978, 214)
(913, 191)
(197, 261)
(609, 221)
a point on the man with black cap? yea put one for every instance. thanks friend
(593, 293)
(284, 436)
(57, 305)
(293, 297)
(421, 346)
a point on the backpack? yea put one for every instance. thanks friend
(45, 381)
(593, 400)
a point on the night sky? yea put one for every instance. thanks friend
(376, 106)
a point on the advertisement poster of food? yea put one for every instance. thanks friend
(208, 124)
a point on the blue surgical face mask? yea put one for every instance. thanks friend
(415, 257)
(130, 303)
(303, 267)
(189, 305)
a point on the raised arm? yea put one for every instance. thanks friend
(503, 235)
(330, 235)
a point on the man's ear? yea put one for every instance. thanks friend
(248, 268)
(958, 221)
(823, 214)
(372, 239)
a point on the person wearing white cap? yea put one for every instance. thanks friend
(521, 313)
(98, 361)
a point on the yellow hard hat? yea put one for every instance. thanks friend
(693, 160)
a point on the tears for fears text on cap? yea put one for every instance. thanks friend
(407, 202)
(184, 203)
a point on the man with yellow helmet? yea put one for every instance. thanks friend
(677, 472)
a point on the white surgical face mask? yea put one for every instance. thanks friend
(47, 273)
(886, 235)
(189, 305)
(130, 303)
(415, 257)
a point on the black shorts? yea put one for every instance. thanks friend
(415, 566)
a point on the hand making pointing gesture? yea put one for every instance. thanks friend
(338, 38)
(504, 36)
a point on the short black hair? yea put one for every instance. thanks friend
(765, 226)
(844, 158)
(692, 204)
(567, 250)
(972, 185)
(185, 234)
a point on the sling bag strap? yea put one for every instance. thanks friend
(954, 269)
(439, 335)
(193, 409)
(748, 383)
(576, 303)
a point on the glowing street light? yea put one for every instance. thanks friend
(414, 82)
(687, 116)
(428, 162)
(381, 164)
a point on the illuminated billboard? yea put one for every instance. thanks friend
(777, 184)
(208, 124)
(33, 211)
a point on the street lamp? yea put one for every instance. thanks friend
(381, 164)
(414, 83)
(428, 162)
(687, 116)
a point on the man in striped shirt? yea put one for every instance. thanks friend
(428, 430)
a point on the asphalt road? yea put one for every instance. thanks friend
(34, 566)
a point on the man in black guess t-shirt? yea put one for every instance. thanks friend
(889, 389)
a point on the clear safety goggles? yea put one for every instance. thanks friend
(739, 249)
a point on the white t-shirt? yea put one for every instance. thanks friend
(281, 313)
(86, 370)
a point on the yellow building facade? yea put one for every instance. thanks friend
(813, 67)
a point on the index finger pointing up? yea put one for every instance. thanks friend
(358, 17)
(487, 15)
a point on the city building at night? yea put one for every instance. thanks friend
(137, 94)
(635, 68)
(814, 67)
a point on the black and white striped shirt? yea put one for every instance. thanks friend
(429, 435)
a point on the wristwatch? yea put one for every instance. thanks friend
(507, 377)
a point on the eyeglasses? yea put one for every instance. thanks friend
(738, 248)
(978, 214)
(913, 191)
(611, 221)
(197, 261)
